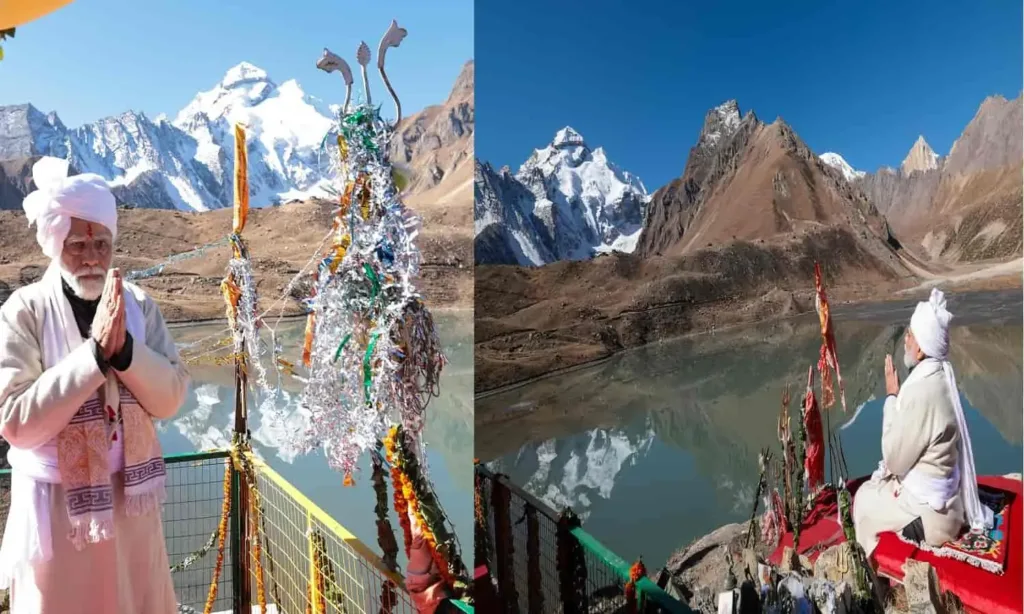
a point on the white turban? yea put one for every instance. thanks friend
(930, 325)
(58, 198)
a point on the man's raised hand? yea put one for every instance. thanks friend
(892, 379)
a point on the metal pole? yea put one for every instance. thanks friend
(240, 542)
(504, 547)
(237, 568)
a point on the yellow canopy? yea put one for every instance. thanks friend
(16, 13)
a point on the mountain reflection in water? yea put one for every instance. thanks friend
(207, 419)
(659, 446)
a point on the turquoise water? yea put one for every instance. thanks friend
(659, 446)
(207, 418)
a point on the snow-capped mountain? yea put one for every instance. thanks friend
(837, 162)
(566, 202)
(286, 129)
(579, 471)
(188, 163)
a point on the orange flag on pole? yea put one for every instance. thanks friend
(16, 13)
(241, 181)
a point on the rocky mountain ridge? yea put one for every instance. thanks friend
(746, 180)
(188, 163)
(966, 206)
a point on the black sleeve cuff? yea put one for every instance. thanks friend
(97, 353)
(123, 359)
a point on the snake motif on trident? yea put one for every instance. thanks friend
(330, 62)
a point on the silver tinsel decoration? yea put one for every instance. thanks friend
(248, 321)
(376, 358)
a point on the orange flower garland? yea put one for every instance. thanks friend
(222, 531)
(406, 501)
(257, 552)
(636, 572)
(402, 509)
(428, 536)
(401, 505)
(481, 530)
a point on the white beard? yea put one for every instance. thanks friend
(910, 361)
(87, 289)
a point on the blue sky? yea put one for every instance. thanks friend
(96, 58)
(860, 78)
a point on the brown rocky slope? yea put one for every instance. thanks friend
(746, 180)
(433, 146)
(965, 207)
(732, 240)
(281, 241)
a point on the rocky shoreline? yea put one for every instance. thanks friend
(699, 571)
(530, 323)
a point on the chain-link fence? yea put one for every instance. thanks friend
(307, 562)
(195, 496)
(542, 561)
(191, 517)
(310, 563)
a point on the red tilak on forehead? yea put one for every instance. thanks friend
(88, 230)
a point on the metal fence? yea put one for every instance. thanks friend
(308, 562)
(542, 561)
(191, 517)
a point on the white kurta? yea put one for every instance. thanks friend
(129, 574)
(919, 432)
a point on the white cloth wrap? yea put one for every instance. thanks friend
(58, 198)
(930, 326)
(933, 491)
(27, 537)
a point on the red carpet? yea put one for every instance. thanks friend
(981, 591)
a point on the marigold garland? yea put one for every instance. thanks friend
(222, 530)
(402, 509)
(636, 571)
(409, 492)
(410, 483)
(254, 520)
(481, 532)
(257, 554)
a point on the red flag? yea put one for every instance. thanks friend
(814, 449)
(773, 523)
(828, 357)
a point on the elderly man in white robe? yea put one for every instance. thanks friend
(86, 365)
(925, 486)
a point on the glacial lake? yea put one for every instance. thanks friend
(206, 422)
(659, 445)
